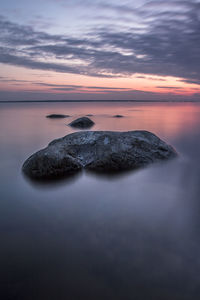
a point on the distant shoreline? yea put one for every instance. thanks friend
(103, 101)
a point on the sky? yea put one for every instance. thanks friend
(100, 50)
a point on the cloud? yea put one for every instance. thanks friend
(135, 95)
(150, 78)
(191, 81)
(63, 86)
(167, 45)
(170, 87)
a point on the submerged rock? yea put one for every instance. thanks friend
(57, 116)
(100, 151)
(82, 123)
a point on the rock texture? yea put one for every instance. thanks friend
(82, 123)
(99, 151)
(57, 116)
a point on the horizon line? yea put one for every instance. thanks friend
(78, 101)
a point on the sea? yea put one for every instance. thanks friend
(133, 236)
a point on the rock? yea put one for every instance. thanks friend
(82, 123)
(57, 116)
(50, 163)
(118, 116)
(99, 151)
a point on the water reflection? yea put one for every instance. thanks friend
(131, 237)
(55, 182)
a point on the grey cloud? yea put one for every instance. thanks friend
(169, 45)
(64, 87)
(57, 85)
(29, 63)
(75, 87)
(170, 87)
(150, 78)
(8, 95)
(89, 89)
(193, 81)
(107, 88)
(11, 80)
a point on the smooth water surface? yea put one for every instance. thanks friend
(134, 236)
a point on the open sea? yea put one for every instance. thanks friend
(130, 237)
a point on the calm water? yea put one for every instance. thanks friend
(135, 236)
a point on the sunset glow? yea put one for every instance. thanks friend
(93, 50)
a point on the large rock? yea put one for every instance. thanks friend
(82, 123)
(100, 151)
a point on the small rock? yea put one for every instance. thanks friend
(82, 123)
(118, 116)
(57, 116)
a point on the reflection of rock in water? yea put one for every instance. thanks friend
(99, 151)
(48, 181)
